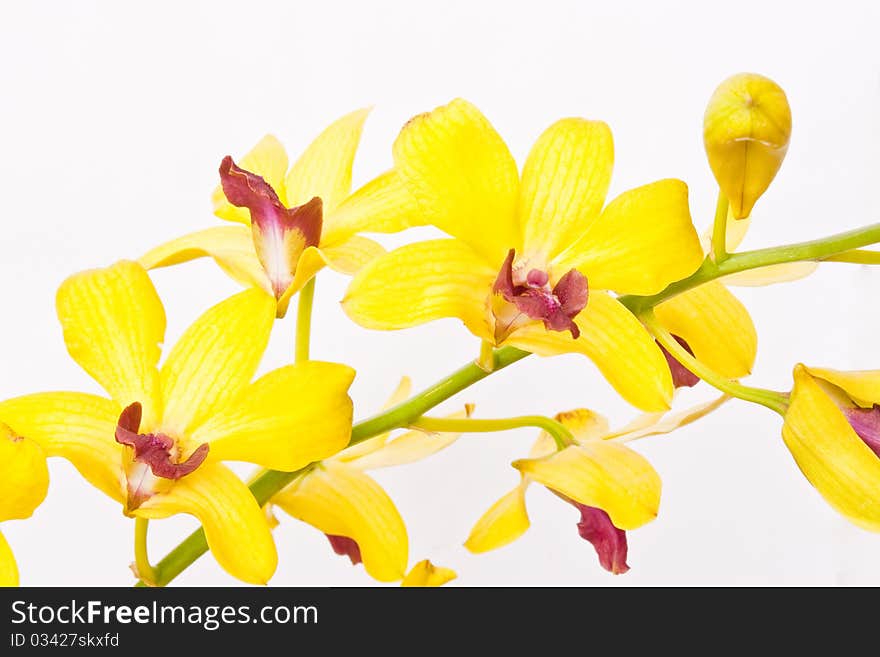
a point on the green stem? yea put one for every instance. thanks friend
(557, 430)
(773, 400)
(813, 250)
(141, 560)
(405, 414)
(856, 257)
(719, 229)
(304, 321)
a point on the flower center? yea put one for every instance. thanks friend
(155, 457)
(530, 296)
(280, 234)
(866, 423)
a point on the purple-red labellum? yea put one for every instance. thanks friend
(533, 297)
(280, 234)
(345, 547)
(154, 449)
(596, 527)
(682, 377)
(866, 423)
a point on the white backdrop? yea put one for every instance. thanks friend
(113, 120)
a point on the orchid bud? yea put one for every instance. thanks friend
(746, 130)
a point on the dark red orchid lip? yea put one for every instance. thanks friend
(345, 547)
(557, 308)
(609, 541)
(682, 377)
(866, 423)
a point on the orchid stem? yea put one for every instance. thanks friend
(557, 430)
(719, 230)
(141, 559)
(304, 321)
(821, 249)
(773, 400)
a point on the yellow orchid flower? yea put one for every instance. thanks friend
(832, 429)
(24, 481)
(534, 256)
(290, 224)
(613, 487)
(156, 445)
(357, 515)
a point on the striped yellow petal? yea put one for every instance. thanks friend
(267, 159)
(340, 500)
(503, 523)
(862, 386)
(564, 183)
(350, 256)
(830, 453)
(463, 177)
(424, 573)
(214, 360)
(285, 420)
(235, 526)
(619, 346)
(643, 241)
(383, 205)
(24, 477)
(75, 426)
(716, 326)
(113, 324)
(604, 475)
(231, 247)
(421, 282)
(8, 568)
(324, 168)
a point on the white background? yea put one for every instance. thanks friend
(113, 119)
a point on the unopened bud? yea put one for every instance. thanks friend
(746, 130)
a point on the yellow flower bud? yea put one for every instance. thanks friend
(746, 130)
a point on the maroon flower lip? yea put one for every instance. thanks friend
(533, 297)
(281, 234)
(866, 423)
(682, 377)
(345, 547)
(609, 541)
(154, 449)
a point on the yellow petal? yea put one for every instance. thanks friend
(78, 427)
(8, 569)
(324, 169)
(400, 394)
(619, 346)
(643, 241)
(652, 425)
(311, 261)
(383, 205)
(862, 386)
(267, 159)
(421, 282)
(287, 419)
(342, 501)
(24, 477)
(424, 573)
(503, 523)
(746, 130)
(214, 360)
(564, 183)
(231, 247)
(113, 324)
(830, 454)
(601, 474)
(463, 177)
(409, 447)
(350, 256)
(584, 425)
(235, 526)
(716, 326)
(781, 273)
